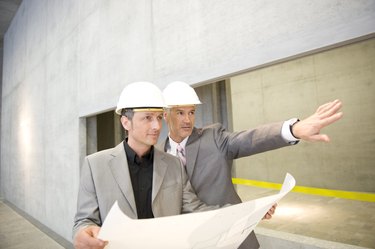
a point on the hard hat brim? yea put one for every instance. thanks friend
(183, 105)
(148, 109)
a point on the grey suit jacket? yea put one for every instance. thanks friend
(105, 178)
(210, 152)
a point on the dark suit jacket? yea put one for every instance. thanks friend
(105, 178)
(210, 152)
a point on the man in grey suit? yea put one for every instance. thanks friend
(209, 152)
(145, 181)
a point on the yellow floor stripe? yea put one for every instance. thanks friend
(358, 196)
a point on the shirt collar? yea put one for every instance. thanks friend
(133, 157)
(172, 149)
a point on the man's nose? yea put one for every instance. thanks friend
(186, 118)
(156, 125)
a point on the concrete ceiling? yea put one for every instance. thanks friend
(8, 9)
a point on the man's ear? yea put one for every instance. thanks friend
(125, 122)
(165, 115)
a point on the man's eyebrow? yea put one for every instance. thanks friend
(193, 109)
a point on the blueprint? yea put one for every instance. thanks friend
(223, 228)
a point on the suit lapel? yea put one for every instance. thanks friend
(192, 148)
(120, 171)
(160, 167)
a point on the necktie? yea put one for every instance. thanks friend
(181, 154)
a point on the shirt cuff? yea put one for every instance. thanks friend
(286, 132)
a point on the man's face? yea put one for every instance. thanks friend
(180, 120)
(143, 129)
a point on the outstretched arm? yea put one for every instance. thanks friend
(309, 128)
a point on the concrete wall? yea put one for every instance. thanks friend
(65, 60)
(1, 80)
(295, 89)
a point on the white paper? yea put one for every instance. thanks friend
(224, 228)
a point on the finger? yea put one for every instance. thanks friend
(273, 208)
(271, 211)
(266, 217)
(92, 239)
(89, 243)
(95, 232)
(331, 119)
(331, 109)
(318, 138)
(328, 105)
(324, 107)
(97, 243)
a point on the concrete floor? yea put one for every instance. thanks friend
(18, 233)
(339, 220)
(350, 223)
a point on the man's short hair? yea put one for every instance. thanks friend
(129, 113)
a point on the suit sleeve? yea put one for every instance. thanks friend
(87, 204)
(248, 142)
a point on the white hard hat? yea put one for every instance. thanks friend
(141, 95)
(180, 93)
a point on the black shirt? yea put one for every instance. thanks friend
(141, 171)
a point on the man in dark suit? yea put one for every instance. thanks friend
(208, 152)
(145, 181)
